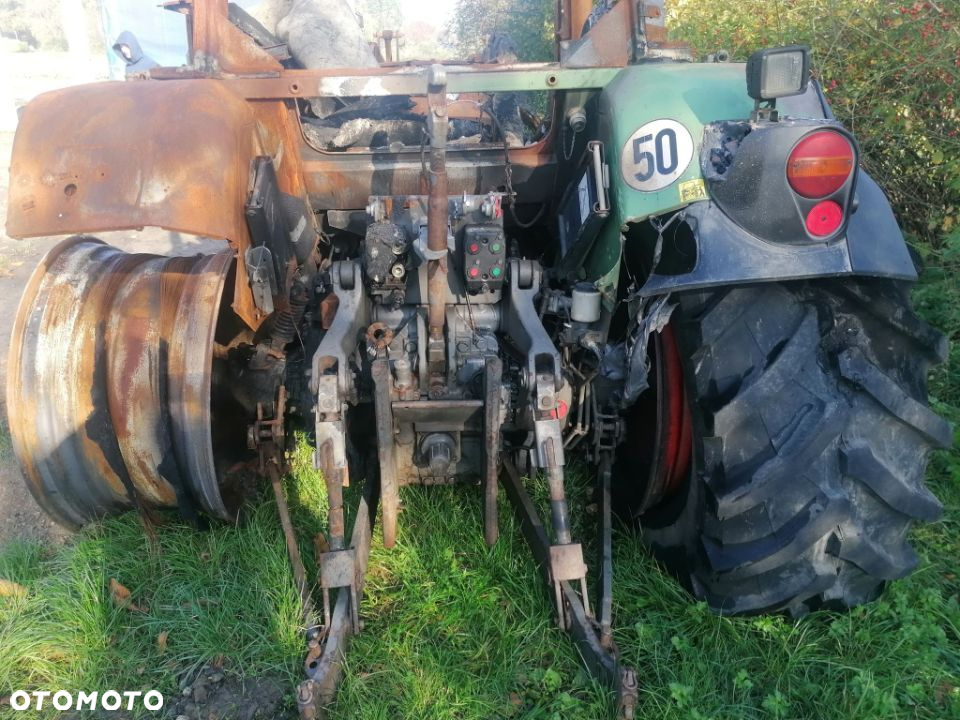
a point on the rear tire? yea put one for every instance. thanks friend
(812, 434)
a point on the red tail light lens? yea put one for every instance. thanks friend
(824, 219)
(820, 164)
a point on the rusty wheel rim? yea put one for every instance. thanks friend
(109, 380)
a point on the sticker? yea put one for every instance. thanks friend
(583, 190)
(692, 190)
(656, 155)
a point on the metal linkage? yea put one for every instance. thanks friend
(492, 420)
(343, 566)
(437, 229)
(267, 436)
(596, 646)
(333, 383)
(386, 438)
(580, 426)
(561, 561)
(327, 648)
(606, 551)
(543, 378)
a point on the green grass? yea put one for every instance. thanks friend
(454, 629)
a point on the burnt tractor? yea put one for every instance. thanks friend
(473, 273)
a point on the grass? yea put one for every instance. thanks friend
(454, 629)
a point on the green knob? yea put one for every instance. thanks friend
(495, 272)
(495, 248)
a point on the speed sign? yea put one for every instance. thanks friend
(656, 155)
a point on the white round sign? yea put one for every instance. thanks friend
(656, 155)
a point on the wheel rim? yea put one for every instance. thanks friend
(660, 426)
(109, 381)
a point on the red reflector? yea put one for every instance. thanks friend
(824, 219)
(560, 412)
(820, 164)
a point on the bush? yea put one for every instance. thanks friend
(891, 72)
(528, 23)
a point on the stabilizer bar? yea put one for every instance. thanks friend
(328, 646)
(598, 652)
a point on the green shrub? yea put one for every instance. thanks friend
(528, 23)
(891, 71)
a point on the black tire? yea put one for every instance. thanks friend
(812, 434)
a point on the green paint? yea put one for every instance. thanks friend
(546, 76)
(692, 94)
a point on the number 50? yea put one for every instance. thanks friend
(662, 159)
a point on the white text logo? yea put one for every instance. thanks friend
(63, 700)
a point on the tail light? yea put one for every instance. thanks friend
(820, 164)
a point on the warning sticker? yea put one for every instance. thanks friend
(692, 190)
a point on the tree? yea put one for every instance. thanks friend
(529, 23)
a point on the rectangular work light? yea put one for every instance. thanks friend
(778, 72)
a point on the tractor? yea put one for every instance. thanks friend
(474, 273)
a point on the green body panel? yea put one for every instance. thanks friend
(691, 94)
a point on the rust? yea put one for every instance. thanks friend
(127, 166)
(437, 225)
(109, 380)
(130, 165)
(606, 44)
(328, 310)
(335, 484)
(267, 436)
(217, 45)
(349, 180)
(579, 12)
(379, 336)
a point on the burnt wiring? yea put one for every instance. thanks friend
(661, 227)
(507, 166)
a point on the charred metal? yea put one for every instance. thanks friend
(435, 281)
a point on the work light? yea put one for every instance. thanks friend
(778, 72)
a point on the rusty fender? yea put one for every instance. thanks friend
(174, 154)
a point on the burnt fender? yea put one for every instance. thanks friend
(873, 245)
(119, 155)
(174, 154)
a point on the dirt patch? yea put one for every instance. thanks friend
(212, 694)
